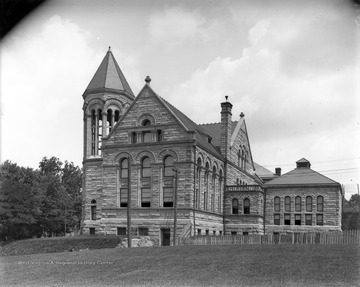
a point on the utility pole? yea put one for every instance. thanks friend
(129, 206)
(175, 205)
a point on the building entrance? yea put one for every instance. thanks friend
(165, 237)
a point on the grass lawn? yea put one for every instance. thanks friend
(225, 265)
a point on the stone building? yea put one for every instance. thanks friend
(145, 147)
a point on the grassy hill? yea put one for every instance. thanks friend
(59, 244)
(226, 265)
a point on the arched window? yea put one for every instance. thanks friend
(246, 206)
(213, 189)
(206, 180)
(287, 204)
(309, 203)
(235, 206)
(124, 168)
(320, 203)
(124, 174)
(145, 167)
(277, 204)
(298, 204)
(242, 158)
(198, 190)
(168, 166)
(93, 209)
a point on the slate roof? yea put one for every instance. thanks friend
(201, 135)
(214, 130)
(109, 77)
(263, 172)
(302, 176)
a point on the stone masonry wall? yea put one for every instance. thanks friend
(331, 211)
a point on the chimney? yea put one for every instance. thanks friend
(225, 127)
(278, 171)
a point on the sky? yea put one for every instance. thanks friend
(292, 67)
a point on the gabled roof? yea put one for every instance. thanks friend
(201, 136)
(109, 77)
(302, 176)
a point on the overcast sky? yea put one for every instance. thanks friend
(292, 67)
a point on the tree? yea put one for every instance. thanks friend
(355, 198)
(39, 202)
(18, 203)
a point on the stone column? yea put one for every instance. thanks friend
(104, 123)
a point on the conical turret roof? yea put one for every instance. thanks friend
(109, 78)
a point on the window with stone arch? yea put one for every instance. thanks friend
(198, 189)
(287, 204)
(124, 168)
(206, 181)
(309, 203)
(93, 210)
(246, 206)
(96, 131)
(220, 191)
(145, 167)
(112, 117)
(168, 166)
(320, 203)
(277, 204)
(235, 206)
(124, 182)
(213, 189)
(298, 203)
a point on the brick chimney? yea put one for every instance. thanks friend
(278, 171)
(225, 127)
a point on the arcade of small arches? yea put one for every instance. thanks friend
(209, 189)
(102, 119)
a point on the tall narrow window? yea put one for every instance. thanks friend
(124, 168)
(145, 167)
(124, 174)
(168, 196)
(297, 219)
(320, 204)
(235, 206)
(287, 204)
(309, 203)
(246, 206)
(319, 219)
(123, 197)
(277, 204)
(169, 166)
(298, 204)
(93, 209)
(287, 219)
(198, 190)
(206, 180)
(159, 135)
(145, 197)
(276, 219)
(133, 137)
(308, 219)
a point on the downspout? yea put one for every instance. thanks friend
(264, 213)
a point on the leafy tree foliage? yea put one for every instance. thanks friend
(351, 213)
(42, 202)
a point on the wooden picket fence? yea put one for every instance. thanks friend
(346, 237)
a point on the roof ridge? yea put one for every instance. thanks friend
(192, 122)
